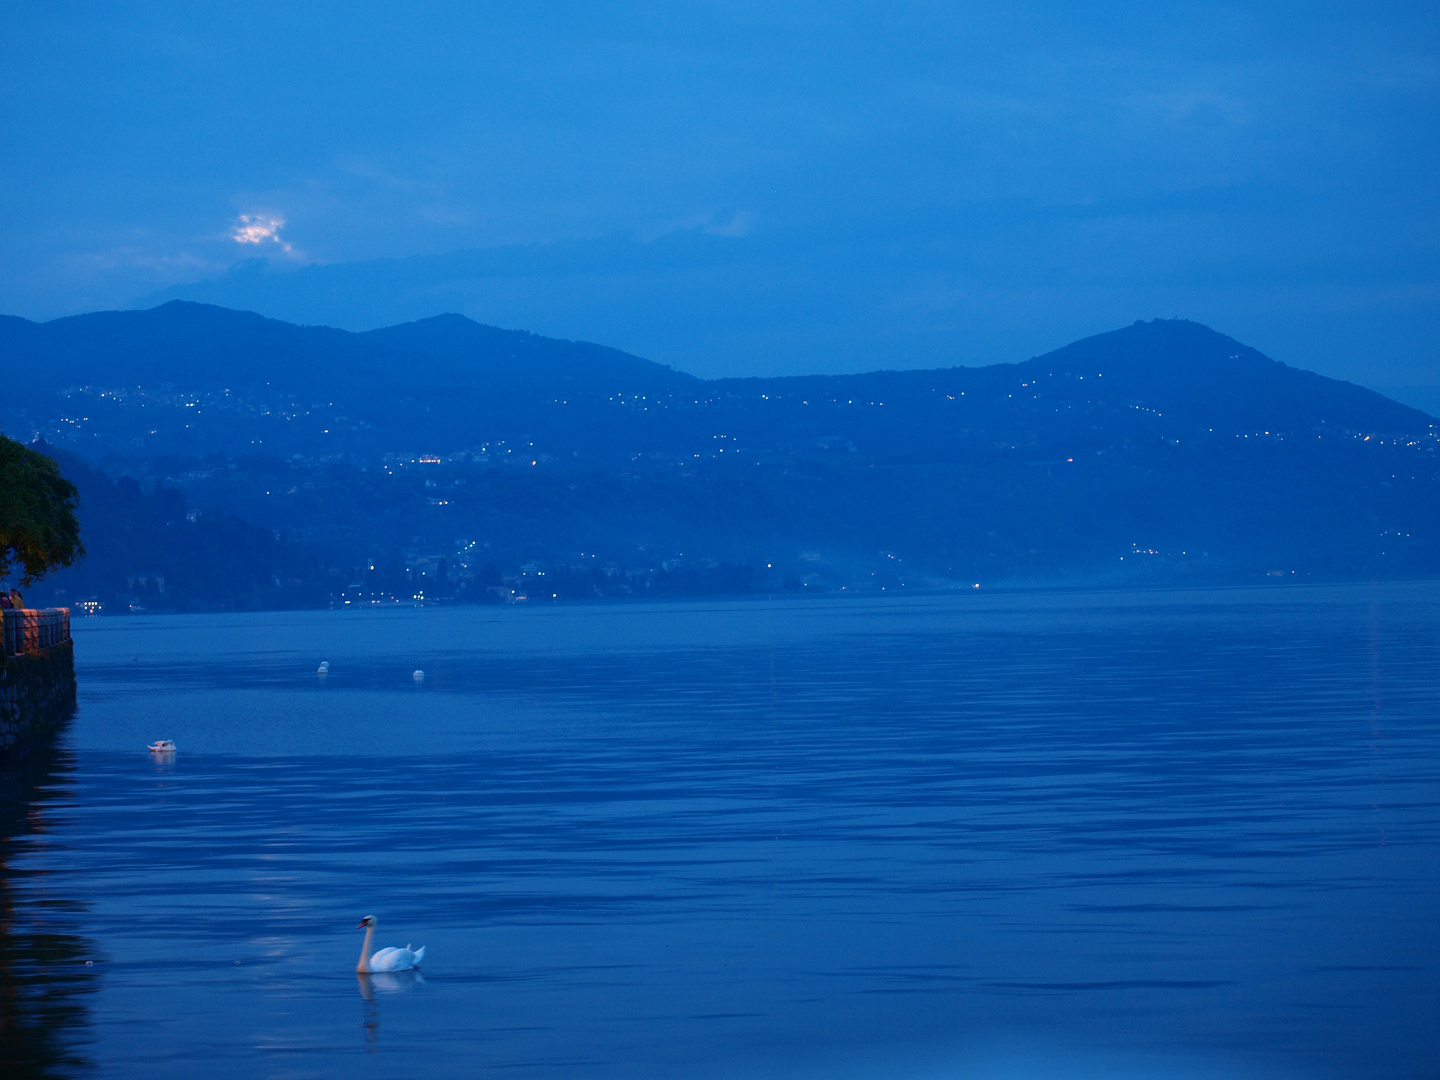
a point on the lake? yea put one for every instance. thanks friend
(1092, 834)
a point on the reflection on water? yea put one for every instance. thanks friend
(44, 977)
(381, 983)
(388, 982)
(1185, 834)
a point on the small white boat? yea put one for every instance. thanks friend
(163, 746)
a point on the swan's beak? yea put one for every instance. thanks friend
(360, 925)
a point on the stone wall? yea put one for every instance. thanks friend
(37, 691)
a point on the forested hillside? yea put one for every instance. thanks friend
(147, 551)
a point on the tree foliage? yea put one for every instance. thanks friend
(38, 530)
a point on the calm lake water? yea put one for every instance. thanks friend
(1178, 834)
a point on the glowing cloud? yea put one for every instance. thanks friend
(259, 229)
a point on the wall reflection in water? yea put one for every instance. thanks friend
(46, 967)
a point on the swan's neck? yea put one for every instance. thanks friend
(364, 965)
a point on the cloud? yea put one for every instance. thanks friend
(260, 229)
(742, 224)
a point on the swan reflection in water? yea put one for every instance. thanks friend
(384, 982)
(389, 982)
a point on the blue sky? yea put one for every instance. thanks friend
(743, 188)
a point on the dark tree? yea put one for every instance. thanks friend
(38, 530)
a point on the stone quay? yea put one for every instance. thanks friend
(37, 682)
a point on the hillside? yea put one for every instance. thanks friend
(148, 551)
(1160, 451)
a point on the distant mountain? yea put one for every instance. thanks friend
(672, 297)
(574, 280)
(203, 346)
(1163, 450)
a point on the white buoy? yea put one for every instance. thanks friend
(324, 668)
(418, 675)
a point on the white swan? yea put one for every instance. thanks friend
(163, 746)
(391, 959)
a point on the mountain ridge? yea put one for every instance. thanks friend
(1143, 445)
(424, 337)
(223, 334)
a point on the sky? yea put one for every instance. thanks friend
(743, 188)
